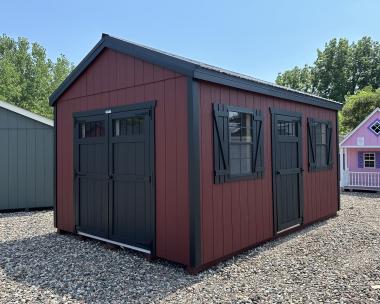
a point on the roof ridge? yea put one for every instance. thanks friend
(192, 68)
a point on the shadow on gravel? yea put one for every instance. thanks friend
(361, 193)
(87, 271)
(23, 212)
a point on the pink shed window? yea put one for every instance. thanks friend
(375, 127)
(369, 160)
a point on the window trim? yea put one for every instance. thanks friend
(377, 121)
(374, 160)
(317, 167)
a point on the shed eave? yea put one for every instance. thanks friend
(265, 89)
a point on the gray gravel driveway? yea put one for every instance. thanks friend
(335, 261)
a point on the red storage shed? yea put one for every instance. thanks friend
(186, 161)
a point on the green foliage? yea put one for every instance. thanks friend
(358, 107)
(340, 69)
(27, 76)
(298, 78)
(331, 70)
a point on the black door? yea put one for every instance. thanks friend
(91, 175)
(287, 169)
(113, 180)
(129, 166)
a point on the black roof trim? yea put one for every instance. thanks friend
(266, 89)
(191, 68)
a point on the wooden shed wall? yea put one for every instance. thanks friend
(116, 79)
(26, 162)
(239, 214)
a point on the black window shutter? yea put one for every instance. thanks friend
(258, 144)
(329, 144)
(312, 151)
(221, 156)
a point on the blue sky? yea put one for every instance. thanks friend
(258, 38)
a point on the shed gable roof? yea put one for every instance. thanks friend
(191, 68)
(354, 131)
(25, 113)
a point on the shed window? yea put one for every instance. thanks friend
(320, 144)
(375, 127)
(238, 143)
(369, 160)
(240, 129)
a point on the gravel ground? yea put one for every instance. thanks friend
(336, 261)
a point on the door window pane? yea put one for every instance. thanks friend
(91, 129)
(128, 126)
(286, 128)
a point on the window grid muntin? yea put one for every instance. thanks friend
(369, 160)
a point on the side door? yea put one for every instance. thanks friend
(287, 169)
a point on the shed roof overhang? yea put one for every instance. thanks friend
(191, 68)
(26, 113)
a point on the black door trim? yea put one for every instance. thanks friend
(136, 106)
(78, 116)
(274, 112)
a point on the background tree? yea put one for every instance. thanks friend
(340, 69)
(298, 78)
(27, 76)
(358, 106)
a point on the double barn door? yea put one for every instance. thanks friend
(113, 177)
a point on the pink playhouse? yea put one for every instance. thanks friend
(360, 155)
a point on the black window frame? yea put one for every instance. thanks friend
(257, 154)
(251, 112)
(314, 164)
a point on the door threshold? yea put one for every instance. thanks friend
(114, 242)
(289, 228)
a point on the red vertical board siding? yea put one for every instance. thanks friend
(114, 79)
(239, 214)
